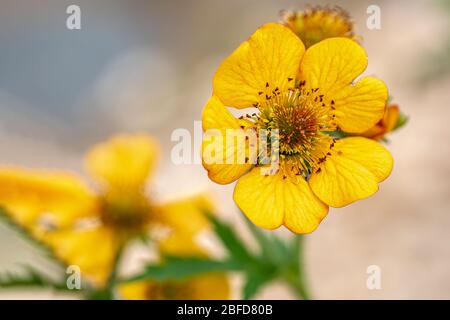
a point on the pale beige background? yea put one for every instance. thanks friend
(147, 66)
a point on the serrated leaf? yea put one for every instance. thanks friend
(234, 245)
(253, 284)
(272, 247)
(24, 233)
(30, 278)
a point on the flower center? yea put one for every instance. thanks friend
(301, 117)
(168, 291)
(127, 212)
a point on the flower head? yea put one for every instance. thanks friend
(300, 96)
(319, 23)
(88, 227)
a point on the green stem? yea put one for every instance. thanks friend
(297, 278)
(107, 292)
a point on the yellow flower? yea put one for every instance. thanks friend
(385, 125)
(88, 228)
(316, 171)
(319, 23)
(209, 286)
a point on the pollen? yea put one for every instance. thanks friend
(301, 117)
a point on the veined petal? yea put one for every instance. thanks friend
(272, 200)
(267, 60)
(226, 152)
(123, 161)
(352, 172)
(385, 125)
(371, 154)
(331, 66)
(27, 195)
(361, 106)
(216, 116)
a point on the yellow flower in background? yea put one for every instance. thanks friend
(316, 171)
(385, 125)
(319, 23)
(209, 286)
(89, 228)
(205, 287)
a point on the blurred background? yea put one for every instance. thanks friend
(146, 66)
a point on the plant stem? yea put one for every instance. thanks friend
(297, 279)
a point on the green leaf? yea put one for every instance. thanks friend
(179, 268)
(29, 278)
(273, 249)
(253, 284)
(263, 240)
(227, 236)
(24, 233)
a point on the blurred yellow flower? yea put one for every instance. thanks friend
(385, 125)
(319, 23)
(315, 170)
(212, 286)
(89, 228)
(209, 286)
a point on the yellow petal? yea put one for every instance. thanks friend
(271, 55)
(214, 286)
(352, 172)
(391, 117)
(28, 195)
(123, 161)
(135, 290)
(93, 251)
(384, 126)
(332, 65)
(180, 244)
(371, 154)
(361, 106)
(273, 200)
(186, 215)
(225, 162)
